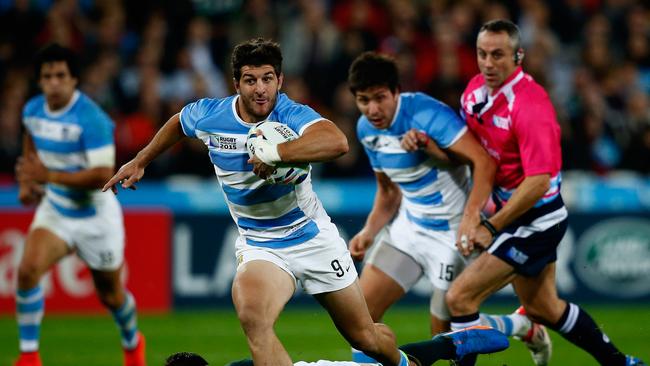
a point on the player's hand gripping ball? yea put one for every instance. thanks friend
(274, 133)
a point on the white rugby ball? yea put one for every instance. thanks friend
(276, 132)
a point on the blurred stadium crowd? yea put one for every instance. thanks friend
(143, 60)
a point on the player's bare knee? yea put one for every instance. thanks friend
(542, 312)
(456, 301)
(29, 273)
(254, 319)
(111, 299)
(363, 339)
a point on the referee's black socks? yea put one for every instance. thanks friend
(580, 329)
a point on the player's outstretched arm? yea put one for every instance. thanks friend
(322, 141)
(483, 171)
(131, 173)
(387, 201)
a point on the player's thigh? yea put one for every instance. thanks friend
(380, 290)
(100, 239)
(486, 275)
(260, 290)
(387, 275)
(43, 248)
(48, 240)
(538, 295)
(348, 310)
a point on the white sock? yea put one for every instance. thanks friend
(511, 325)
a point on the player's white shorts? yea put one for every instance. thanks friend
(98, 240)
(406, 252)
(322, 264)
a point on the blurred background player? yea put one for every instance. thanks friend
(68, 147)
(515, 121)
(285, 234)
(420, 190)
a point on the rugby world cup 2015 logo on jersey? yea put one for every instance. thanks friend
(501, 122)
(613, 257)
(224, 143)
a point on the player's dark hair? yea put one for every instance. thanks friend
(256, 52)
(56, 53)
(185, 359)
(504, 25)
(371, 69)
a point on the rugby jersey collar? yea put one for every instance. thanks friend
(505, 89)
(65, 109)
(247, 124)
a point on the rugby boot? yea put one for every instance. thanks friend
(136, 356)
(477, 339)
(29, 359)
(537, 341)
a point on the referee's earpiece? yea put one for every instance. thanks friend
(518, 57)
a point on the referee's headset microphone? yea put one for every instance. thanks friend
(518, 57)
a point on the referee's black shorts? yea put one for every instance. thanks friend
(530, 243)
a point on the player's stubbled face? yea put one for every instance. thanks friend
(57, 83)
(495, 53)
(258, 91)
(378, 104)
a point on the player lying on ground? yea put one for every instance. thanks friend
(446, 346)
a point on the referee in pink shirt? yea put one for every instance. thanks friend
(513, 118)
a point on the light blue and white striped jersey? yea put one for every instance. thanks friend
(267, 215)
(433, 197)
(78, 136)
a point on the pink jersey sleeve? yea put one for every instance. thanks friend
(538, 133)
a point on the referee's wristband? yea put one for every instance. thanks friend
(488, 225)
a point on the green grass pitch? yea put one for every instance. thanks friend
(306, 332)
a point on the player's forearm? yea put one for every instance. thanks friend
(28, 145)
(483, 172)
(386, 204)
(322, 141)
(529, 192)
(168, 135)
(93, 178)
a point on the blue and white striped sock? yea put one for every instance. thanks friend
(404, 360)
(510, 325)
(30, 305)
(360, 357)
(127, 321)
